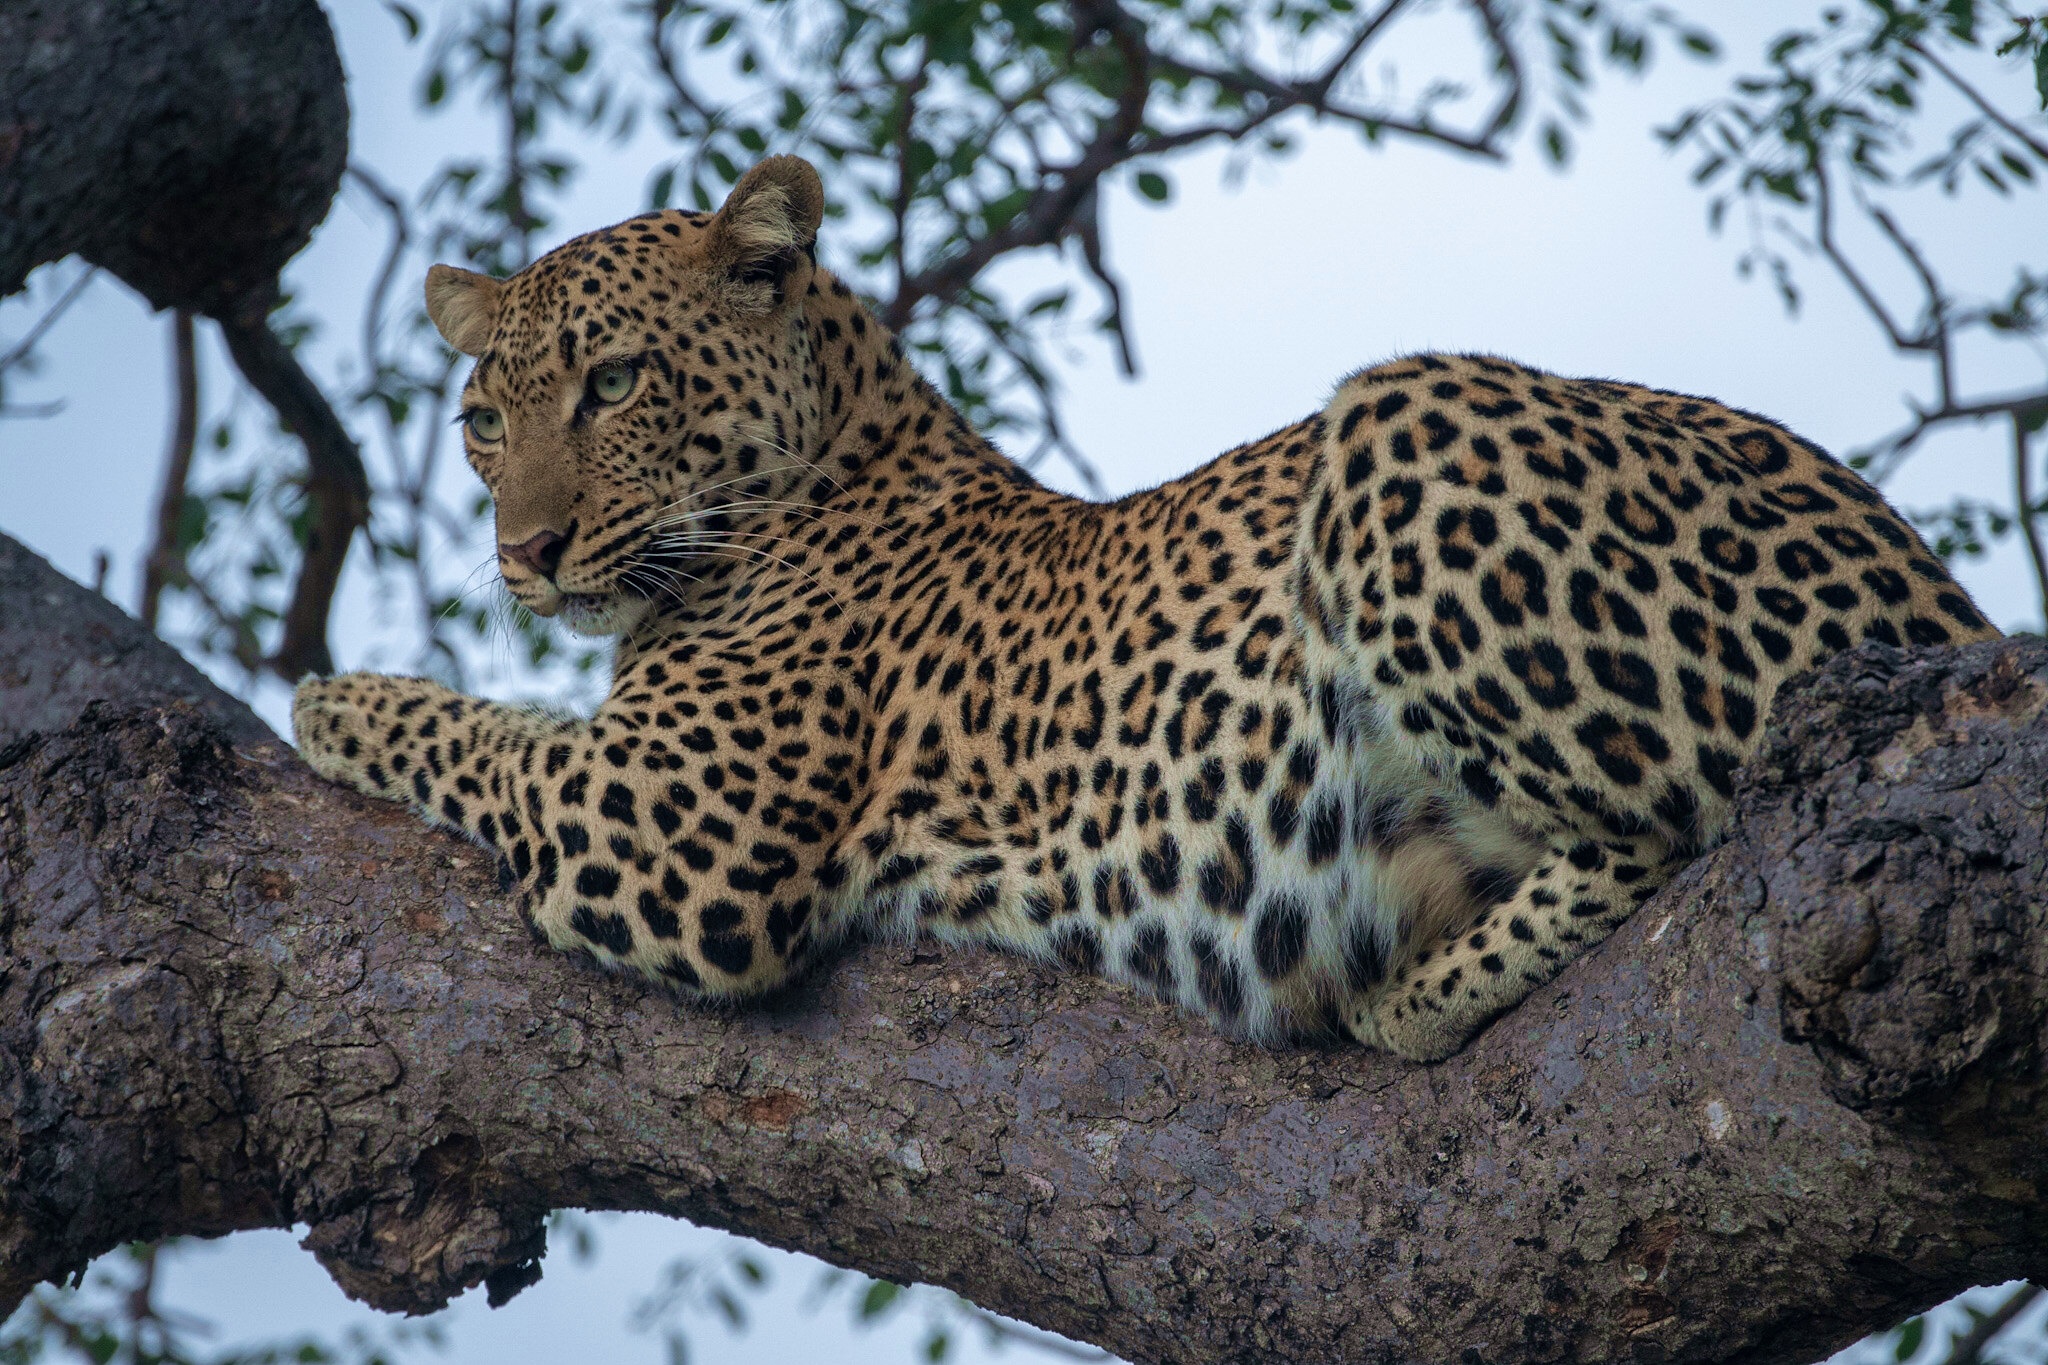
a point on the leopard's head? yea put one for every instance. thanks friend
(638, 391)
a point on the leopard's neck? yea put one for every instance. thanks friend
(887, 460)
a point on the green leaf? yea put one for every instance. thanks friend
(1557, 144)
(1911, 1332)
(408, 18)
(664, 185)
(436, 88)
(1153, 186)
(193, 523)
(881, 1294)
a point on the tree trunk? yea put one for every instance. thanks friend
(1799, 1096)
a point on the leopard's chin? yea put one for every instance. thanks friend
(602, 613)
(589, 613)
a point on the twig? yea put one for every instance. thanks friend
(336, 485)
(1968, 1348)
(2021, 485)
(899, 208)
(516, 212)
(1051, 207)
(380, 288)
(16, 353)
(1893, 449)
(1939, 342)
(1367, 31)
(1824, 236)
(1984, 106)
(166, 557)
(1087, 230)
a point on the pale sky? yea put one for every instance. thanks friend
(1247, 306)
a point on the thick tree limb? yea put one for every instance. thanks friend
(189, 146)
(1799, 1096)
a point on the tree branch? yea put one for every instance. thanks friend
(1968, 1348)
(164, 563)
(1794, 1099)
(337, 488)
(1976, 97)
(2023, 498)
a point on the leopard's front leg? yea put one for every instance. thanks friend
(610, 852)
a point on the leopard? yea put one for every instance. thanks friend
(1364, 730)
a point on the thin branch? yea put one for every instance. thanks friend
(1367, 31)
(2022, 480)
(515, 153)
(1045, 216)
(1824, 236)
(380, 288)
(1984, 106)
(32, 410)
(18, 352)
(1968, 1348)
(166, 558)
(336, 486)
(1942, 344)
(906, 180)
(1283, 98)
(1893, 449)
(1505, 62)
(1087, 230)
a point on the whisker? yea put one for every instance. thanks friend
(721, 548)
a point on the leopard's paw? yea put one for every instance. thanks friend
(331, 725)
(1397, 1021)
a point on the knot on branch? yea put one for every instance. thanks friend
(457, 1226)
(132, 780)
(1895, 819)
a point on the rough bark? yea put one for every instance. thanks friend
(189, 146)
(1799, 1096)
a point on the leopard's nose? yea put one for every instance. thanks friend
(541, 553)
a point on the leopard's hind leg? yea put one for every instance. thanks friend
(1576, 896)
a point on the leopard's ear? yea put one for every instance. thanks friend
(464, 306)
(768, 229)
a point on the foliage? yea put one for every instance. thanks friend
(968, 150)
(1855, 121)
(114, 1313)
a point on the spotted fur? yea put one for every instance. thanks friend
(1371, 725)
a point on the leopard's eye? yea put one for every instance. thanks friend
(611, 381)
(487, 424)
